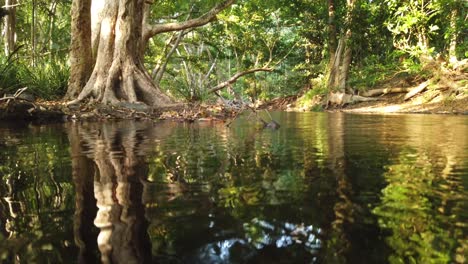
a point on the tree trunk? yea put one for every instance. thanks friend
(331, 31)
(33, 33)
(119, 74)
(52, 14)
(117, 32)
(453, 38)
(10, 27)
(80, 49)
(347, 57)
(334, 68)
(118, 39)
(341, 62)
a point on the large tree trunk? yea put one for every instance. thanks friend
(340, 64)
(118, 39)
(119, 74)
(10, 27)
(81, 60)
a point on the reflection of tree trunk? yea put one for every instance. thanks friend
(114, 156)
(85, 203)
(337, 243)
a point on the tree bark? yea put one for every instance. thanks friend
(341, 62)
(81, 59)
(10, 27)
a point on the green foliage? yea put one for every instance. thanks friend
(46, 80)
(372, 72)
(8, 76)
(312, 99)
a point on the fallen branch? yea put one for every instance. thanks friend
(236, 76)
(340, 99)
(376, 92)
(416, 90)
(15, 96)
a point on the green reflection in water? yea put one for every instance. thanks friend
(37, 196)
(412, 208)
(175, 193)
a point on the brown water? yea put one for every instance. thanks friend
(324, 188)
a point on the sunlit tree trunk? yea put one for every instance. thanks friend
(119, 73)
(120, 34)
(10, 27)
(453, 38)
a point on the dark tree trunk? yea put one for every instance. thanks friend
(81, 60)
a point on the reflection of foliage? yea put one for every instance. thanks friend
(417, 235)
(237, 196)
(35, 189)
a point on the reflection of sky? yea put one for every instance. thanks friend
(279, 235)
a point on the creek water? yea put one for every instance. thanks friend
(324, 188)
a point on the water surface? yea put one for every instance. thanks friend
(324, 188)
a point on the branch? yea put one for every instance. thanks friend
(196, 22)
(383, 91)
(158, 74)
(416, 90)
(236, 76)
(15, 96)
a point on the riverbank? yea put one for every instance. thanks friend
(56, 111)
(396, 104)
(442, 91)
(434, 99)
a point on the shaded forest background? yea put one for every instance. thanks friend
(308, 47)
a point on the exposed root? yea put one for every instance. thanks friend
(123, 83)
